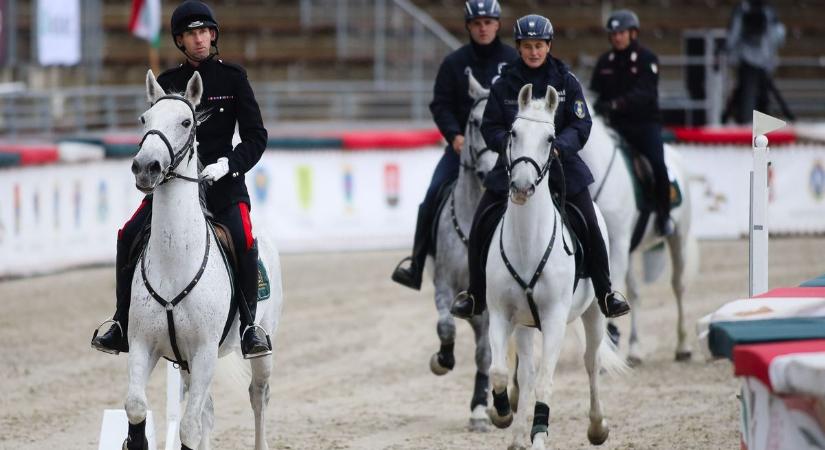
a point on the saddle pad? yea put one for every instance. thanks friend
(754, 360)
(264, 290)
(816, 282)
(724, 336)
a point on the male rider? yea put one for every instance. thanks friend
(227, 98)
(484, 56)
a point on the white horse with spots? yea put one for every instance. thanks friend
(450, 271)
(613, 191)
(530, 279)
(184, 267)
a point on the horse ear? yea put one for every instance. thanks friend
(551, 99)
(194, 89)
(476, 91)
(524, 96)
(153, 89)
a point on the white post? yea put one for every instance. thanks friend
(758, 231)
(174, 395)
(758, 271)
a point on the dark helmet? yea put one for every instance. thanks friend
(474, 9)
(190, 15)
(533, 26)
(623, 19)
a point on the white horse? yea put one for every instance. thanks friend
(450, 271)
(613, 191)
(183, 262)
(530, 278)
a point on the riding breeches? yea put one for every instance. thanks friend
(647, 139)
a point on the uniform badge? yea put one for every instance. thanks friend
(578, 108)
(654, 68)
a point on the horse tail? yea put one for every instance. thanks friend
(232, 370)
(610, 359)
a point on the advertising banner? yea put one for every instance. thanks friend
(58, 32)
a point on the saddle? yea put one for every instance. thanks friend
(441, 200)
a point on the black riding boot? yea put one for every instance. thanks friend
(411, 276)
(473, 301)
(254, 340)
(610, 302)
(115, 339)
(664, 225)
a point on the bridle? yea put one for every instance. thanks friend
(540, 170)
(176, 157)
(475, 154)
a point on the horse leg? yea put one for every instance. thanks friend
(478, 405)
(202, 368)
(443, 361)
(634, 355)
(499, 332)
(677, 243)
(594, 327)
(553, 328)
(207, 423)
(259, 397)
(141, 363)
(525, 375)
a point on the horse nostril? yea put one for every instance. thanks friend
(154, 167)
(135, 167)
(513, 185)
(480, 174)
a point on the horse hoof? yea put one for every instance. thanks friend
(514, 399)
(128, 445)
(517, 447)
(683, 355)
(436, 366)
(499, 421)
(481, 425)
(634, 361)
(597, 434)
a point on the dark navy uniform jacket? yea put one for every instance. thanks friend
(227, 98)
(627, 81)
(451, 102)
(572, 122)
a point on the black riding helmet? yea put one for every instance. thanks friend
(621, 20)
(473, 9)
(190, 15)
(533, 26)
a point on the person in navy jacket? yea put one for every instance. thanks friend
(534, 35)
(484, 57)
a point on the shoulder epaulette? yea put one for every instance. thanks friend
(232, 66)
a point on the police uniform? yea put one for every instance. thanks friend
(450, 108)
(227, 98)
(572, 123)
(627, 86)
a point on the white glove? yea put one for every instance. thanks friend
(216, 171)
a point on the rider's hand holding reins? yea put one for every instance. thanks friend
(216, 171)
(458, 143)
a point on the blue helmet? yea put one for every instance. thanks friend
(623, 19)
(473, 9)
(533, 26)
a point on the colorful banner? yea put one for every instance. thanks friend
(58, 32)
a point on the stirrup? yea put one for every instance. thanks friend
(464, 296)
(258, 354)
(398, 266)
(615, 293)
(97, 330)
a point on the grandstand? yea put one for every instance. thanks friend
(340, 54)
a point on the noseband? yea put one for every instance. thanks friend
(176, 157)
(540, 170)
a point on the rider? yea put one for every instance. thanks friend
(484, 56)
(534, 35)
(626, 80)
(227, 97)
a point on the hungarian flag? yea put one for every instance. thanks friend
(145, 20)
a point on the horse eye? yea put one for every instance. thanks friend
(186, 123)
(513, 133)
(142, 120)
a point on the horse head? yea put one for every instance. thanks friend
(531, 139)
(168, 132)
(476, 155)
